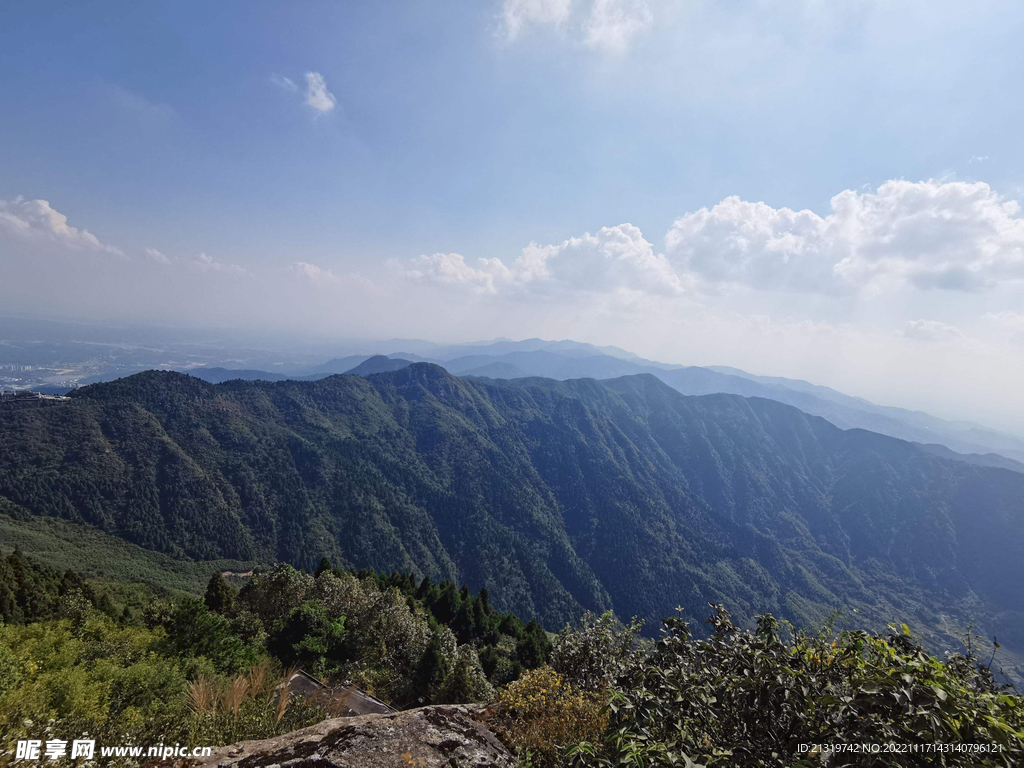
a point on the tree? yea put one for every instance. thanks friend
(464, 625)
(309, 637)
(484, 598)
(193, 630)
(325, 566)
(479, 616)
(425, 589)
(446, 607)
(430, 670)
(220, 596)
(533, 650)
(466, 682)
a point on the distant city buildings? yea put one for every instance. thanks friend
(24, 395)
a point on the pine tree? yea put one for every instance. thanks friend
(484, 599)
(423, 593)
(429, 671)
(479, 615)
(464, 625)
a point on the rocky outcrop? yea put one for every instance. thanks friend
(429, 737)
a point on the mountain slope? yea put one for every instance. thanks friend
(558, 496)
(981, 459)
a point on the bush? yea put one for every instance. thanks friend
(97, 678)
(752, 698)
(541, 714)
(592, 655)
(116, 684)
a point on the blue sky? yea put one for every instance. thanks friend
(448, 137)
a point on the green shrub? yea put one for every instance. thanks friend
(591, 655)
(753, 698)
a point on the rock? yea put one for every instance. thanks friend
(429, 737)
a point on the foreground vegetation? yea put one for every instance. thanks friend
(213, 670)
(75, 661)
(758, 698)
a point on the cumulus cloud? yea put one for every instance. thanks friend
(38, 221)
(519, 14)
(931, 330)
(951, 235)
(927, 235)
(613, 24)
(452, 269)
(204, 263)
(612, 259)
(317, 95)
(737, 241)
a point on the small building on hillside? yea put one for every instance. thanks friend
(344, 700)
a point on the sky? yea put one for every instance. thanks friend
(827, 190)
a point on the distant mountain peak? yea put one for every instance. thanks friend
(379, 364)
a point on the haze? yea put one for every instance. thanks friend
(827, 191)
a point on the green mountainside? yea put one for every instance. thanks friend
(555, 496)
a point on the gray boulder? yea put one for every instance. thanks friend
(429, 737)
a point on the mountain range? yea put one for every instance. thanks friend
(505, 359)
(558, 496)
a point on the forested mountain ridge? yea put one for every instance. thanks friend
(556, 496)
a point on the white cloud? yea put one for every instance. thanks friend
(204, 263)
(519, 14)
(931, 330)
(315, 274)
(929, 234)
(752, 243)
(613, 24)
(154, 255)
(452, 269)
(37, 220)
(317, 95)
(926, 235)
(614, 259)
(609, 26)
